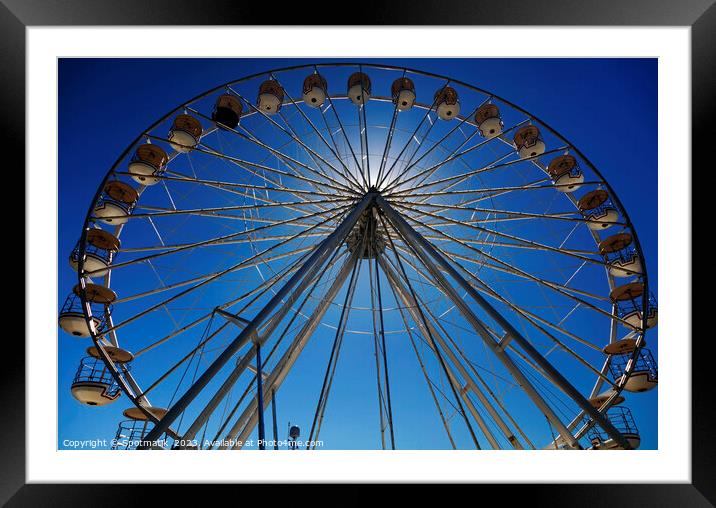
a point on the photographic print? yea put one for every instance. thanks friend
(357, 254)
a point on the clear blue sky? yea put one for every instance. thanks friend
(605, 107)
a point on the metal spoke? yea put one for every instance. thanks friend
(531, 318)
(282, 156)
(284, 365)
(225, 185)
(218, 240)
(388, 142)
(316, 258)
(206, 276)
(428, 381)
(412, 136)
(442, 140)
(262, 334)
(236, 241)
(524, 274)
(414, 303)
(345, 137)
(424, 322)
(524, 241)
(211, 212)
(461, 177)
(565, 216)
(208, 280)
(410, 194)
(346, 173)
(363, 127)
(333, 358)
(511, 334)
(218, 154)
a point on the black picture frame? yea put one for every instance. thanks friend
(700, 15)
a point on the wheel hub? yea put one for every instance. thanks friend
(367, 234)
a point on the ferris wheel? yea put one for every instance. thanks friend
(376, 245)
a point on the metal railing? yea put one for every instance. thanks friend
(644, 363)
(73, 307)
(93, 370)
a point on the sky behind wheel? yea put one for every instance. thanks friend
(607, 108)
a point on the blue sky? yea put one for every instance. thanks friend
(605, 107)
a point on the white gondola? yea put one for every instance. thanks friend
(622, 419)
(629, 300)
(116, 203)
(626, 267)
(620, 255)
(148, 162)
(132, 431)
(640, 382)
(598, 210)
(488, 121)
(270, 97)
(569, 182)
(403, 93)
(227, 111)
(71, 318)
(111, 213)
(644, 374)
(359, 88)
(315, 90)
(528, 142)
(75, 324)
(447, 103)
(94, 384)
(602, 219)
(93, 394)
(565, 173)
(635, 318)
(99, 252)
(185, 133)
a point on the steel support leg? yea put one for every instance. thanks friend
(260, 397)
(247, 420)
(426, 251)
(335, 353)
(412, 305)
(429, 331)
(266, 332)
(275, 423)
(325, 247)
